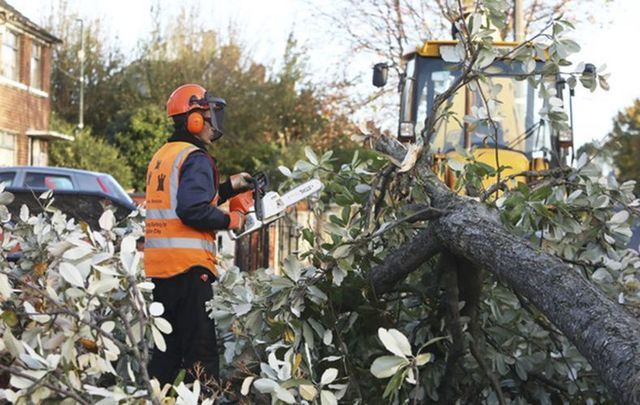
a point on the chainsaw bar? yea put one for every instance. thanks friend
(272, 206)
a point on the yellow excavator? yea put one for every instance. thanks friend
(521, 141)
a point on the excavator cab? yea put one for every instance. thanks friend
(520, 141)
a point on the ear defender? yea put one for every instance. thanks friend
(195, 123)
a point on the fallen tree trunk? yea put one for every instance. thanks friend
(604, 332)
(399, 263)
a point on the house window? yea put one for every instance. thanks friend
(7, 149)
(36, 66)
(10, 55)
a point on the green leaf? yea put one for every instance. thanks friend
(570, 45)
(423, 359)
(10, 318)
(328, 376)
(362, 188)
(285, 171)
(398, 346)
(310, 154)
(71, 275)
(386, 366)
(303, 166)
(246, 385)
(158, 339)
(342, 251)
(308, 392)
(455, 165)
(265, 385)
(395, 383)
(619, 217)
(292, 268)
(284, 395)
(308, 235)
(328, 398)
(541, 193)
(602, 201)
(521, 371)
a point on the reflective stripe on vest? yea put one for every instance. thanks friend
(171, 247)
(181, 243)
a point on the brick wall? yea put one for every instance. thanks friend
(21, 110)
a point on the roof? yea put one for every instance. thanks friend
(10, 14)
(431, 49)
(50, 169)
(49, 135)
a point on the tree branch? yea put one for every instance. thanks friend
(54, 388)
(403, 261)
(606, 334)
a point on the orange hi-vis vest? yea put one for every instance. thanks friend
(170, 246)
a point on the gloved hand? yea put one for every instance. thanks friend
(236, 220)
(242, 202)
(241, 182)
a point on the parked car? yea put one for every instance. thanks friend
(78, 193)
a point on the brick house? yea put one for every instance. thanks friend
(25, 79)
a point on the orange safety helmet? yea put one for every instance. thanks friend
(190, 97)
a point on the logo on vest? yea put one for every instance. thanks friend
(161, 179)
(158, 164)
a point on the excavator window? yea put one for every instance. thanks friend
(518, 125)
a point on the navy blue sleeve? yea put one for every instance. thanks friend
(195, 192)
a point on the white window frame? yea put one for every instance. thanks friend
(14, 50)
(8, 144)
(35, 68)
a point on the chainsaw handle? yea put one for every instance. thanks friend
(260, 182)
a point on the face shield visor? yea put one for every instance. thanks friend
(216, 107)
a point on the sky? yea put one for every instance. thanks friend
(265, 26)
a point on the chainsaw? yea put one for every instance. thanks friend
(263, 207)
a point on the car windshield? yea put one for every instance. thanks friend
(517, 121)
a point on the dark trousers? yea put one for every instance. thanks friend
(193, 339)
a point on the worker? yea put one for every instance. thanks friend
(182, 197)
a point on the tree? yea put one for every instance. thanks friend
(624, 143)
(138, 134)
(101, 62)
(89, 152)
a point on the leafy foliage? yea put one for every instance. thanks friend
(318, 314)
(624, 144)
(139, 134)
(76, 309)
(89, 152)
